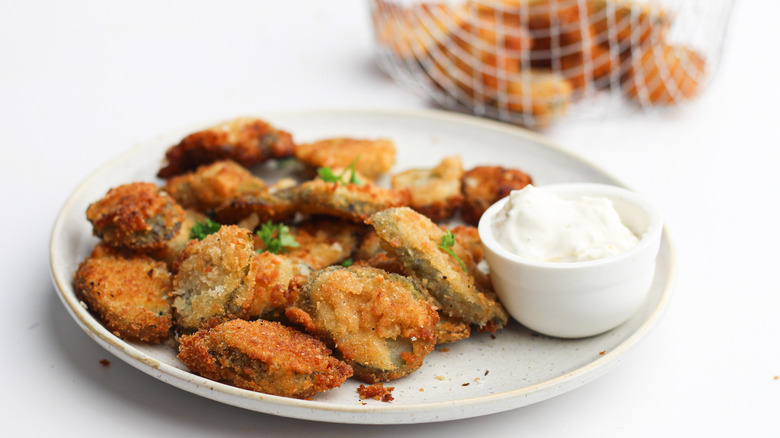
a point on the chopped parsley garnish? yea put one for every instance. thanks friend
(446, 243)
(327, 175)
(201, 229)
(276, 237)
(347, 263)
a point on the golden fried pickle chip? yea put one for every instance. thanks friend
(128, 292)
(136, 215)
(435, 192)
(484, 185)
(263, 356)
(214, 279)
(371, 158)
(383, 324)
(246, 141)
(212, 185)
(351, 201)
(461, 294)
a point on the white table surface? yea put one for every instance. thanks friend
(83, 81)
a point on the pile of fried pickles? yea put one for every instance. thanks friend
(532, 58)
(290, 287)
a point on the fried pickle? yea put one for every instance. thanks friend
(246, 141)
(468, 237)
(371, 158)
(276, 202)
(136, 215)
(263, 356)
(129, 293)
(383, 324)
(322, 242)
(416, 240)
(449, 330)
(435, 192)
(351, 201)
(212, 185)
(484, 185)
(278, 279)
(214, 279)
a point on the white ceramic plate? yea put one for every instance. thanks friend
(478, 376)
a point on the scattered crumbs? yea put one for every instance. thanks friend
(486, 372)
(777, 377)
(376, 391)
(602, 352)
(422, 389)
(465, 384)
(439, 377)
(105, 362)
(477, 379)
(363, 403)
(493, 337)
(444, 349)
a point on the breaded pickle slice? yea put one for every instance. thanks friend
(351, 202)
(435, 192)
(414, 239)
(244, 140)
(263, 356)
(212, 185)
(371, 158)
(136, 215)
(276, 202)
(214, 279)
(278, 279)
(383, 324)
(128, 292)
(322, 242)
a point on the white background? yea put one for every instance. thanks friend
(82, 82)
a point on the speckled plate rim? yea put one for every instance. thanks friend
(371, 414)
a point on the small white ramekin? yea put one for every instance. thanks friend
(577, 299)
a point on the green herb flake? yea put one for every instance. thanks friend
(347, 263)
(201, 229)
(276, 237)
(446, 243)
(326, 174)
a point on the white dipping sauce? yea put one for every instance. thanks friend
(540, 226)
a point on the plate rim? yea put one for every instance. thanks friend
(358, 414)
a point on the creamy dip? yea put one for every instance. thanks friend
(541, 226)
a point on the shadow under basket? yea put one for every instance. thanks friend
(531, 62)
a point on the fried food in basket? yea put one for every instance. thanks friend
(246, 141)
(489, 50)
(263, 356)
(631, 25)
(484, 185)
(417, 242)
(665, 75)
(136, 215)
(129, 293)
(416, 32)
(540, 95)
(370, 158)
(383, 324)
(435, 192)
(212, 185)
(214, 280)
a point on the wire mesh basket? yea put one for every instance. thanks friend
(533, 61)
